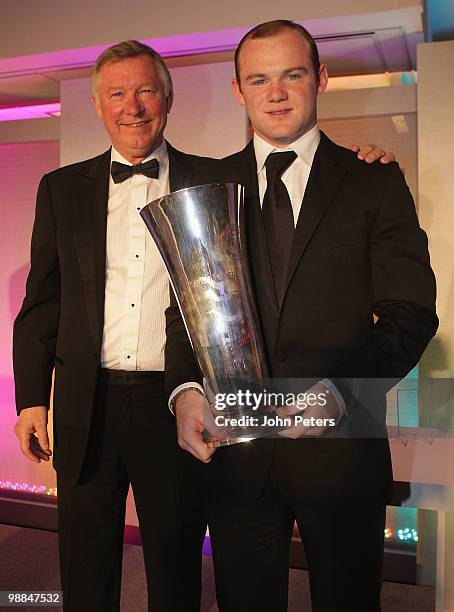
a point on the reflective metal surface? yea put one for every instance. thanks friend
(198, 234)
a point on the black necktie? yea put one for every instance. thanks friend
(277, 216)
(121, 172)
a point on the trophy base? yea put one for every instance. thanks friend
(229, 441)
(240, 425)
(236, 439)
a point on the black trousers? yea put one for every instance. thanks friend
(133, 441)
(250, 541)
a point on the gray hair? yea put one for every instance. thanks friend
(125, 50)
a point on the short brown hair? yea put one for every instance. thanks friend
(271, 28)
(125, 50)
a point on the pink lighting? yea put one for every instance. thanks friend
(198, 42)
(37, 111)
(168, 46)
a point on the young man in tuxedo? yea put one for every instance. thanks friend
(332, 243)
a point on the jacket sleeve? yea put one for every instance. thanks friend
(180, 362)
(36, 325)
(403, 293)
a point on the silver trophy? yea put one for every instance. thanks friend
(197, 232)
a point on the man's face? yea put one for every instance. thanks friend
(279, 87)
(132, 105)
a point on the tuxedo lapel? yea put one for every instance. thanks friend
(90, 202)
(325, 179)
(180, 172)
(245, 174)
(252, 224)
(90, 224)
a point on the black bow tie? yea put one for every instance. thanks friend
(121, 172)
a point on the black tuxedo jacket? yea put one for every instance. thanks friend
(61, 320)
(358, 250)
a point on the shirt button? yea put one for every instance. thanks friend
(128, 356)
(282, 356)
(133, 305)
(137, 256)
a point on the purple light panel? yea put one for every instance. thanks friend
(181, 44)
(37, 111)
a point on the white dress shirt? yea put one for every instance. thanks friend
(137, 286)
(297, 174)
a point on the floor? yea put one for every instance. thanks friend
(29, 560)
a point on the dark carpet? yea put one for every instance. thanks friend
(29, 560)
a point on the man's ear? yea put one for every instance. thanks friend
(323, 79)
(97, 106)
(169, 101)
(237, 92)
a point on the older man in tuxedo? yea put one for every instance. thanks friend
(94, 309)
(331, 243)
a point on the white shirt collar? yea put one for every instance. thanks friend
(160, 153)
(305, 147)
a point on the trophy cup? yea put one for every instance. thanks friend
(197, 232)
